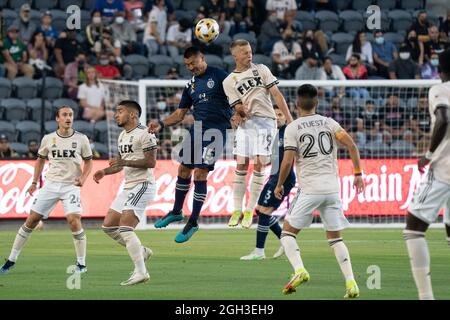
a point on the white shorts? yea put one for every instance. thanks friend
(135, 199)
(429, 198)
(255, 137)
(51, 193)
(301, 213)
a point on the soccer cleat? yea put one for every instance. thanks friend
(168, 219)
(351, 289)
(147, 253)
(300, 276)
(234, 219)
(80, 268)
(136, 278)
(279, 252)
(254, 256)
(247, 220)
(187, 232)
(6, 267)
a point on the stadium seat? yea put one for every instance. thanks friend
(182, 70)
(262, 59)
(180, 14)
(229, 62)
(16, 4)
(101, 131)
(342, 41)
(15, 110)
(9, 16)
(102, 149)
(35, 107)
(402, 149)
(5, 88)
(89, 5)
(44, 4)
(191, 4)
(20, 148)
(3, 3)
(139, 64)
(378, 150)
(214, 61)
(250, 37)
(401, 20)
(28, 130)
(160, 64)
(328, 21)
(64, 4)
(352, 21)
(342, 4)
(307, 19)
(53, 88)
(50, 126)
(59, 18)
(8, 129)
(387, 4)
(85, 18)
(361, 5)
(66, 102)
(338, 59)
(84, 127)
(25, 88)
(394, 37)
(431, 17)
(411, 4)
(35, 16)
(224, 41)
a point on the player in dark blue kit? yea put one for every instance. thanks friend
(267, 202)
(206, 139)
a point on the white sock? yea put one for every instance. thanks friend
(448, 240)
(23, 234)
(420, 262)
(134, 248)
(79, 240)
(239, 188)
(114, 233)
(342, 257)
(255, 189)
(259, 251)
(291, 249)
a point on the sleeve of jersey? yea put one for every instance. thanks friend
(86, 151)
(336, 129)
(148, 142)
(437, 97)
(269, 79)
(186, 101)
(43, 149)
(290, 142)
(233, 98)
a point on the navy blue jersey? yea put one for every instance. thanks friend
(277, 156)
(205, 93)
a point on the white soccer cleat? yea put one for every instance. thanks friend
(279, 252)
(136, 278)
(254, 256)
(148, 253)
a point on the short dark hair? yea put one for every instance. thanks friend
(276, 107)
(61, 107)
(131, 104)
(192, 51)
(444, 62)
(307, 95)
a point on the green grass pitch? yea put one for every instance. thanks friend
(208, 266)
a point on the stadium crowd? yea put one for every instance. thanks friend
(298, 39)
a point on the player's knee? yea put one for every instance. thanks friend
(200, 175)
(32, 220)
(184, 172)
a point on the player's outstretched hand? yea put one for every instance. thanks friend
(422, 163)
(32, 189)
(358, 184)
(79, 182)
(154, 127)
(98, 175)
(278, 192)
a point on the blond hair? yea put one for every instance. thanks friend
(238, 43)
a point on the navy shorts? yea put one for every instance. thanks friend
(267, 197)
(202, 151)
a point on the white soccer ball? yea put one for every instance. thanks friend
(207, 30)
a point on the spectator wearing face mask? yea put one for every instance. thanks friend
(66, 48)
(24, 25)
(415, 47)
(124, 32)
(309, 44)
(108, 8)
(421, 25)
(179, 37)
(384, 52)
(287, 55)
(106, 68)
(94, 30)
(404, 67)
(430, 69)
(134, 10)
(75, 74)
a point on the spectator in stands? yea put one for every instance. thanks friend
(6, 152)
(179, 37)
(74, 74)
(282, 9)
(384, 52)
(338, 114)
(316, 5)
(95, 153)
(415, 47)
(254, 13)
(123, 32)
(355, 70)
(134, 10)
(106, 68)
(172, 74)
(286, 55)
(420, 122)
(33, 147)
(368, 122)
(270, 33)
(155, 30)
(404, 67)
(444, 29)
(23, 23)
(393, 117)
(38, 52)
(363, 47)
(310, 69)
(91, 95)
(430, 68)
(435, 44)
(165, 152)
(94, 30)
(66, 48)
(332, 72)
(107, 43)
(14, 55)
(309, 44)
(215, 9)
(46, 28)
(150, 3)
(421, 25)
(234, 20)
(108, 8)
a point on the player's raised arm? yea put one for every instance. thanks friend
(285, 168)
(176, 117)
(281, 102)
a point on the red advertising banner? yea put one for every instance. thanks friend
(390, 184)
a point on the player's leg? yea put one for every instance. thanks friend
(447, 220)
(239, 188)
(264, 218)
(256, 185)
(79, 240)
(181, 190)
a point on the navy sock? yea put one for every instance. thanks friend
(198, 200)
(181, 190)
(262, 230)
(275, 226)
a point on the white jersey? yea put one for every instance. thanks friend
(132, 145)
(439, 95)
(252, 86)
(313, 137)
(65, 155)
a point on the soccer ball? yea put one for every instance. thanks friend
(207, 30)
